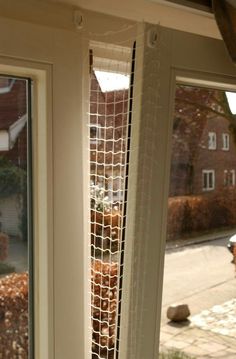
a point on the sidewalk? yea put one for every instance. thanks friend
(181, 243)
(210, 334)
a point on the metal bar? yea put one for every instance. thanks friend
(30, 218)
(125, 198)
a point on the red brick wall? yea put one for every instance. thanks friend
(109, 110)
(193, 120)
(13, 105)
(218, 159)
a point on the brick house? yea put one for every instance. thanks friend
(13, 120)
(215, 163)
(13, 146)
(108, 125)
(203, 150)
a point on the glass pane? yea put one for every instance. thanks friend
(110, 116)
(210, 180)
(204, 180)
(199, 269)
(14, 236)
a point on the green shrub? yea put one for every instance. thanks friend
(14, 316)
(13, 181)
(12, 178)
(6, 268)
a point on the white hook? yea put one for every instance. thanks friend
(78, 20)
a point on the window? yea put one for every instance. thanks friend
(225, 141)
(229, 178)
(212, 141)
(6, 84)
(95, 133)
(208, 180)
(232, 178)
(225, 178)
(16, 242)
(110, 111)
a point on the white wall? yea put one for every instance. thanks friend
(153, 12)
(53, 58)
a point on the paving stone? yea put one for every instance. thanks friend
(176, 344)
(165, 337)
(213, 347)
(219, 319)
(211, 334)
(202, 341)
(194, 350)
(187, 339)
(171, 329)
(221, 354)
(195, 332)
(230, 350)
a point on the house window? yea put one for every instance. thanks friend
(225, 141)
(208, 180)
(225, 178)
(229, 178)
(16, 238)
(212, 141)
(232, 178)
(6, 84)
(95, 133)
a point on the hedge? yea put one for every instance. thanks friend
(14, 311)
(14, 316)
(191, 215)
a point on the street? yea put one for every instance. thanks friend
(200, 275)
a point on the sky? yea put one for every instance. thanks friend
(231, 96)
(111, 81)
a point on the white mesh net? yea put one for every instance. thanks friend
(109, 129)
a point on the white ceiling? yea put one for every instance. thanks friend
(154, 12)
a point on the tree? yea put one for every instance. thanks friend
(194, 106)
(13, 181)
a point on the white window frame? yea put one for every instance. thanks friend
(58, 186)
(212, 141)
(95, 140)
(62, 318)
(151, 160)
(229, 178)
(225, 141)
(42, 205)
(208, 173)
(225, 178)
(232, 178)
